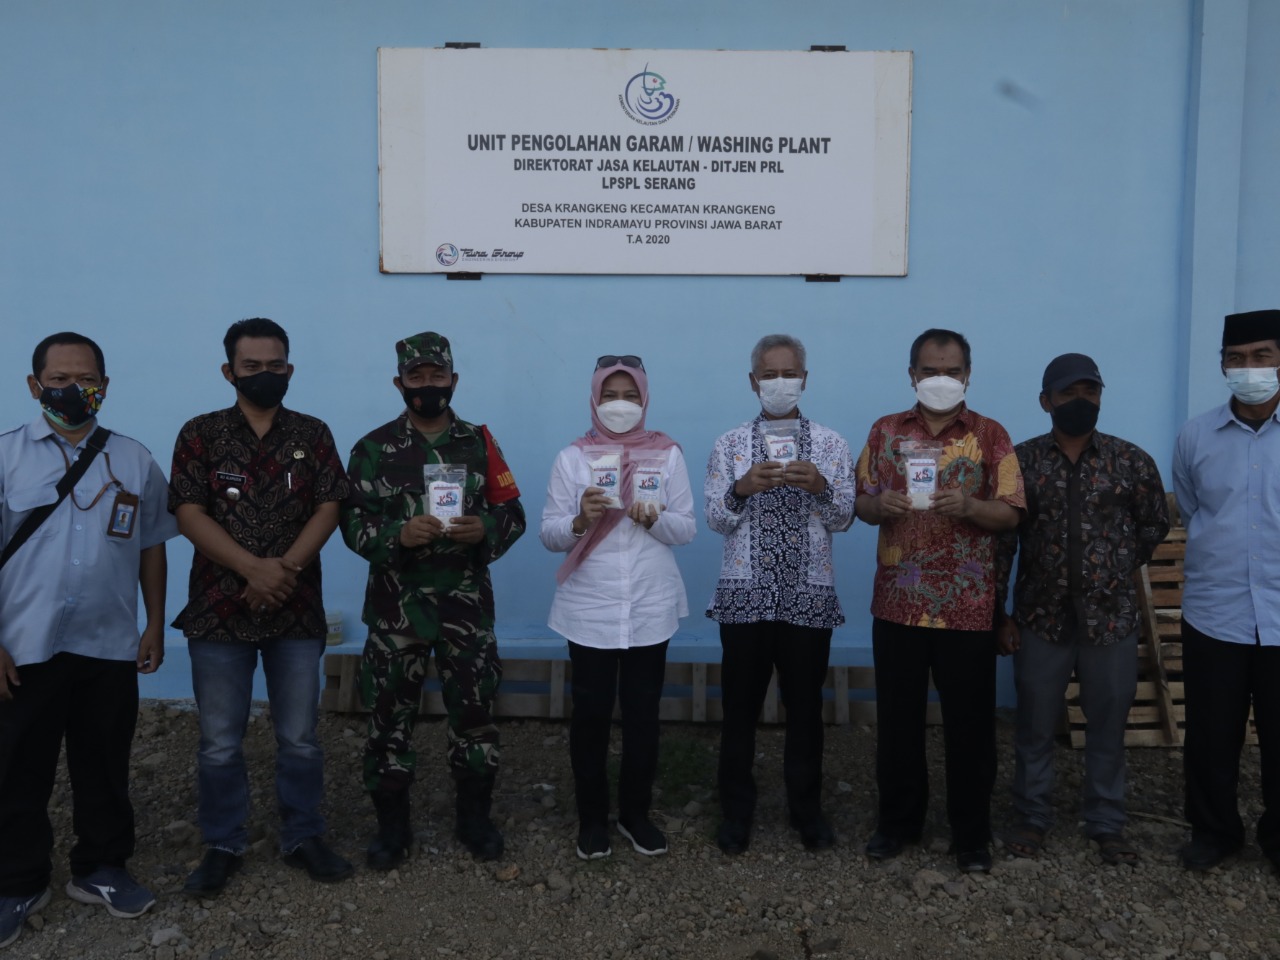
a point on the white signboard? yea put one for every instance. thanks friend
(644, 161)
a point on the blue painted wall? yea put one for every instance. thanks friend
(168, 168)
(1258, 277)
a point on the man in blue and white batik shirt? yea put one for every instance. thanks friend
(777, 487)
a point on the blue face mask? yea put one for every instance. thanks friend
(1252, 385)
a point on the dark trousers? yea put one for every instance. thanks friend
(94, 705)
(1221, 680)
(1108, 677)
(633, 677)
(750, 653)
(963, 667)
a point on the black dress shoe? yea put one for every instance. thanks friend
(321, 863)
(1202, 854)
(974, 861)
(882, 846)
(213, 873)
(733, 837)
(816, 834)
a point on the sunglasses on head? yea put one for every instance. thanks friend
(630, 360)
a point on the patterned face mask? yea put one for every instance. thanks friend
(71, 406)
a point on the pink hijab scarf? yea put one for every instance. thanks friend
(633, 442)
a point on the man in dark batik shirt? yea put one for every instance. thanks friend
(256, 489)
(1096, 510)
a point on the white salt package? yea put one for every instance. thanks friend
(780, 440)
(446, 485)
(920, 461)
(646, 485)
(606, 472)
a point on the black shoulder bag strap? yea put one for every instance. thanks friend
(69, 479)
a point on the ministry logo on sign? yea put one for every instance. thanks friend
(447, 254)
(645, 100)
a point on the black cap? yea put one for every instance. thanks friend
(1238, 328)
(1067, 369)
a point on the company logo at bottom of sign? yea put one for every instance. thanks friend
(446, 254)
(477, 255)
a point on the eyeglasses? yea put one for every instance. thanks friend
(630, 360)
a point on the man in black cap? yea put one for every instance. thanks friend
(1096, 510)
(1226, 473)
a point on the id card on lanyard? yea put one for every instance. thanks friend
(124, 512)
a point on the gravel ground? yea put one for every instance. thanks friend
(776, 901)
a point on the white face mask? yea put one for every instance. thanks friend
(619, 416)
(940, 394)
(780, 395)
(1252, 385)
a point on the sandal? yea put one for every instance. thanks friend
(1026, 840)
(1115, 849)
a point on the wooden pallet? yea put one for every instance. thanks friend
(1158, 715)
(540, 689)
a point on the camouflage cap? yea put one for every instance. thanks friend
(423, 348)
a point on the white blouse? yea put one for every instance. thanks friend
(628, 591)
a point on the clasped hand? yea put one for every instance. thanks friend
(423, 530)
(946, 503)
(270, 583)
(770, 474)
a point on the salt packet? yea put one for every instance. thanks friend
(647, 486)
(605, 463)
(446, 489)
(780, 440)
(920, 465)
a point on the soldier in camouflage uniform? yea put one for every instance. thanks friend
(429, 590)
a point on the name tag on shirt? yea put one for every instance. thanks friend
(236, 478)
(123, 514)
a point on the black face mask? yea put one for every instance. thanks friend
(1076, 418)
(428, 402)
(265, 389)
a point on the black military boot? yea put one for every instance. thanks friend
(390, 847)
(475, 830)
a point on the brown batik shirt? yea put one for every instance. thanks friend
(262, 491)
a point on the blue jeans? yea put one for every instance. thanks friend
(222, 675)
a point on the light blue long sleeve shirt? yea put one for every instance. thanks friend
(71, 587)
(1227, 480)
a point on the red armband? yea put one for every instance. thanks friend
(499, 484)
